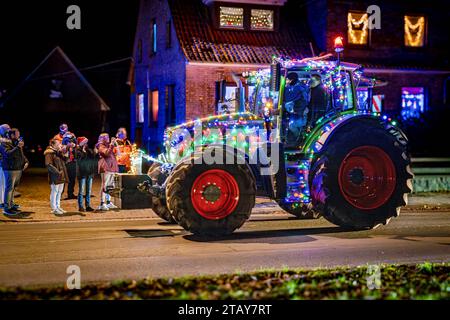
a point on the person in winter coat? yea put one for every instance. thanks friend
(122, 150)
(4, 128)
(86, 169)
(14, 163)
(57, 174)
(68, 140)
(107, 166)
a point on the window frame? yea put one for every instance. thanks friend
(369, 33)
(247, 7)
(425, 35)
(425, 99)
(262, 29)
(153, 37)
(140, 112)
(170, 106)
(152, 123)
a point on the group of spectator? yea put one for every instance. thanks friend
(68, 159)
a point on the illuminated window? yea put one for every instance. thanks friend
(153, 37)
(414, 31)
(357, 28)
(362, 94)
(140, 108)
(262, 19)
(413, 102)
(231, 17)
(153, 108)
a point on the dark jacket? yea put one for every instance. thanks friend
(57, 172)
(298, 94)
(12, 156)
(87, 162)
(320, 102)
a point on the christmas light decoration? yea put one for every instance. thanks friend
(262, 19)
(357, 29)
(231, 17)
(414, 33)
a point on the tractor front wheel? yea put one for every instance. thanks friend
(211, 200)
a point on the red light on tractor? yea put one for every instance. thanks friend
(339, 44)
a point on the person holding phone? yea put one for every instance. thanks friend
(14, 163)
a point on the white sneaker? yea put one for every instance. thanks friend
(57, 212)
(112, 206)
(103, 207)
(61, 210)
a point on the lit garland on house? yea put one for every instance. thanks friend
(231, 17)
(418, 29)
(356, 27)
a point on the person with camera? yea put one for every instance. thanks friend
(57, 174)
(107, 167)
(122, 150)
(14, 163)
(69, 142)
(86, 169)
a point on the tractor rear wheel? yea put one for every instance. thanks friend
(363, 177)
(211, 200)
(159, 204)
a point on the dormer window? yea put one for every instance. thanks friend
(262, 19)
(231, 17)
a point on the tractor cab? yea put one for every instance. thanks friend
(297, 96)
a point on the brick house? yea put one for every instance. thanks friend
(409, 51)
(184, 47)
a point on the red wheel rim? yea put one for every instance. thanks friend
(215, 194)
(367, 177)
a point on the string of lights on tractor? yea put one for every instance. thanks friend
(414, 33)
(357, 29)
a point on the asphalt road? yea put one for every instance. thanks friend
(39, 253)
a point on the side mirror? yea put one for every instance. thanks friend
(275, 76)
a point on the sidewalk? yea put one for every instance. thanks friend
(36, 191)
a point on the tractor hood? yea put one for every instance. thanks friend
(182, 140)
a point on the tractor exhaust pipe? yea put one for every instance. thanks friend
(240, 94)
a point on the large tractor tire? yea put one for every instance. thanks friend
(159, 204)
(363, 177)
(211, 200)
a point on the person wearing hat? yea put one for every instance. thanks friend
(122, 150)
(57, 174)
(86, 160)
(68, 140)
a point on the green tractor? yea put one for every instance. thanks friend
(338, 160)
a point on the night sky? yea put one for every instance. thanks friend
(31, 29)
